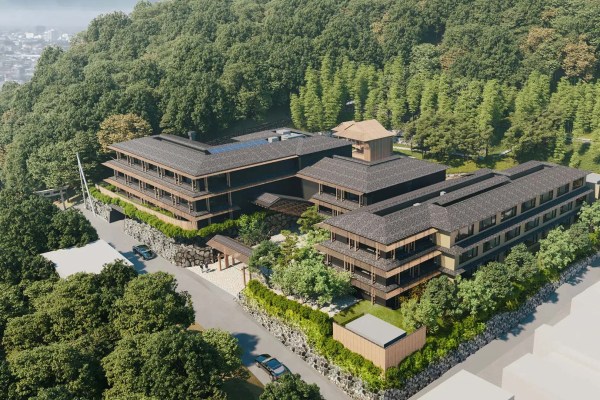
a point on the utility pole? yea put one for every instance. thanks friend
(84, 186)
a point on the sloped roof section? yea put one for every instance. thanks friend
(195, 159)
(367, 177)
(363, 131)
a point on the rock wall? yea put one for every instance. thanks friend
(182, 255)
(102, 210)
(191, 254)
(278, 222)
(497, 326)
(296, 341)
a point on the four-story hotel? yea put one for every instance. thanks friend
(394, 221)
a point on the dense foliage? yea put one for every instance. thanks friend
(201, 65)
(455, 311)
(299, 270)
(446, 115)
(318, 328)
(251, 226)
(291, 387)
(88, 336)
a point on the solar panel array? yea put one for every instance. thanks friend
(237, 146)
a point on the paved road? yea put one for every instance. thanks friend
(489, 362)
(216, 308)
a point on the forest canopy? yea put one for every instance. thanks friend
(184, 65)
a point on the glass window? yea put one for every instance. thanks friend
(563, 189)
(511, 212)
(549, 215)
(532, 224)
(528, 205)
(566, 208)
(578, 183)
(580, 201)
(490, 244)
(546, 197)
(510, 235)
(467, 255)
(465, 232)
(486, 223)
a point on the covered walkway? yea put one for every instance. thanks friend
(227, 247)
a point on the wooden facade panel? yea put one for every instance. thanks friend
(403, 348)
(384, 358)
(360, 345)
(177, 222)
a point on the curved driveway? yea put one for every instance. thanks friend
(216, 308)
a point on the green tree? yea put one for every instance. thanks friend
(556, 251)
(589, 214)
(313, 107)
(437, 304)
(62, 368)
(152, 303)
(396, 99)
(70, 228)
(120, 128)
(264, 255)
(490, 112)
(521, 265)
(291, 387)
(309, 218)
(170, 364)
(229, 350)
(487, 292)
(253, 228)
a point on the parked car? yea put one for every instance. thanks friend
(272, 366)
(144, 251)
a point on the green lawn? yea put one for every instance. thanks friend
(365, 307)
(460, 165)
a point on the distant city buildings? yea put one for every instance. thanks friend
(20, 51)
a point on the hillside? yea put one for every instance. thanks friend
(202, 65)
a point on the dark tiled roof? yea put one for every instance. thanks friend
(267, 200)
(367, 177)
(227, 244)
(460, 207)
(331, 199)
(265, 134)
(512, 223)
(189, 158)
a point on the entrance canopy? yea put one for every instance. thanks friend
(231, 247)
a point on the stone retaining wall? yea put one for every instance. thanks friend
(497, 326)
(296, 341)
(177, 252)
(102, 210)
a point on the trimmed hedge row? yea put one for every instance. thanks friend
(318, 328)
(168, 229)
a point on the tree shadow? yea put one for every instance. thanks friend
(248, 343)
(138, 264)
(584, 148)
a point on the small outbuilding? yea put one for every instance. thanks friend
(384, 344)
(90, 258)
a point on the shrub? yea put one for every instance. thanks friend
(318, 328)
(170, 230)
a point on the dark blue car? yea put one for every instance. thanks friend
(144, 251)
(272, 366)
